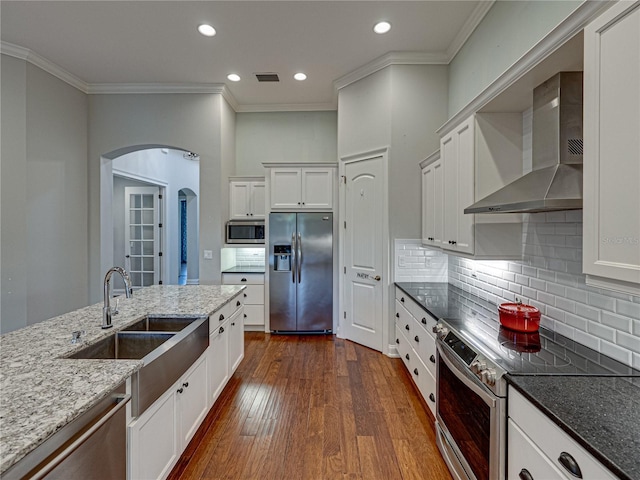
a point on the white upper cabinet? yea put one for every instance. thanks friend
(474, 165)
(611, 216)
(432, 200)
(300, 188)
(246, 199)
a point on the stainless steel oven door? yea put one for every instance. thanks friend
(471, 420)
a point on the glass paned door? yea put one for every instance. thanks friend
(142, 237)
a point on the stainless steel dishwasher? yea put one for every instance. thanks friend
(92, 446)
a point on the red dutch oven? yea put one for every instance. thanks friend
(519, 317)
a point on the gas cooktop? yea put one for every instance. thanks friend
(476, 323)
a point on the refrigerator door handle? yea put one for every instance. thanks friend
(299, 260)
(295, 257)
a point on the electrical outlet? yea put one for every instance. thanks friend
(208, 254)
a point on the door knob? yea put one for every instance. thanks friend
(377, 278)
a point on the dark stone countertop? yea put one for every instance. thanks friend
(602, 414)
(237, 269)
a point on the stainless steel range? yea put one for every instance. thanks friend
(474, 353)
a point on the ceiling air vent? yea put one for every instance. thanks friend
(267, 77)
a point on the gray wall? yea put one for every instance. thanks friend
(508, 31)
(284, 137)
(186, 121)
(44, 189)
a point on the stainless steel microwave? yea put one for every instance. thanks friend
(242, 231)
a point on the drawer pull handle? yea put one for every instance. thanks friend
(245, 295)
(397, 341)
(402, 299)
(238, 303)
(245, 315)
(525, 475)
(432, 359)
(433, 399)
(424, 321)
(417, 339)
(185, 384)
(221, 317)
(415, 370)
(221, 330)
(570, 464)
(180, 390)
(233, 324)
(397, 315)
(406, 327)
(407, 356)
(243, 279)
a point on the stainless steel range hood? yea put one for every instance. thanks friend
(555, 183)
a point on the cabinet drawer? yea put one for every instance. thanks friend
(525, 456)
(425, 346)
(403, 319)
(223, 314)
(425, 382)
(242, 278)
(404, 349)
(551, 440)
(254, 314)
(253, 295)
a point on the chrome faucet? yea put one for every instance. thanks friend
(106, 310)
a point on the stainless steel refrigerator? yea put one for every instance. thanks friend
(301, 272)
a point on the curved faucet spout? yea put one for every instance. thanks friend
(106, 309)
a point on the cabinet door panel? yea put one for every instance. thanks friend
(428, 208)
(236, 340)
(154, 439)
(254, 314)
(317, 187)
(258, 199)
(611, 166)
(218, 358)
(239, 197)
(438, 203)
(286, 189)
(465, 190)
(193, 403)
(449, 152)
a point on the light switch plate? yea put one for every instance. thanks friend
(208, 254)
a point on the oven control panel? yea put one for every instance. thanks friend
(475, 361)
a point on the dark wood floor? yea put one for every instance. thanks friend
(312, 408)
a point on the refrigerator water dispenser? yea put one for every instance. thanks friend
(282, 258)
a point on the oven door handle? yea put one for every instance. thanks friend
(458, 372)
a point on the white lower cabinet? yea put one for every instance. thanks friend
(538, 446)
(157, 438)
(253, 297)
(160, 434)
(417, 346)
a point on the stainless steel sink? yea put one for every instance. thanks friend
(161, 324)
(124, 345)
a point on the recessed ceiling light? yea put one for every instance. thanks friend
(382, 27)
(234, 77)
(206, 30)
(300, 76)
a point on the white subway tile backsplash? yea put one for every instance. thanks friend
(550, 278)
(415, 263)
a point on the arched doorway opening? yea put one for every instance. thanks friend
(140, 224)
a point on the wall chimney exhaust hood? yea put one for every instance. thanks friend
(555, 183)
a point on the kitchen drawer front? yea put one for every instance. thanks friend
(551, 439)
(525, 455)
(403, 319)
(253, 295)
(254, 314)
(404, 348)
(401, 296)
(416, 311)
(243, 278)
(425, 382)
(425, 346)
(224, 313)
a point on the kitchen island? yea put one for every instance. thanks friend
(41, 390)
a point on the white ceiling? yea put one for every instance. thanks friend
(149, 42)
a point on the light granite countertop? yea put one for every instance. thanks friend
(41, 391)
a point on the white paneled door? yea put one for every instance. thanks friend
(363, 252)
(142, 235)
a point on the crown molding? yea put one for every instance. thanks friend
(288, 107)
(44, 64)
(391, 58)
(468, 28)
(142, 88)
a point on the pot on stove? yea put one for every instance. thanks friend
(519, 317)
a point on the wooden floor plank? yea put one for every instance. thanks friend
(314, 408)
